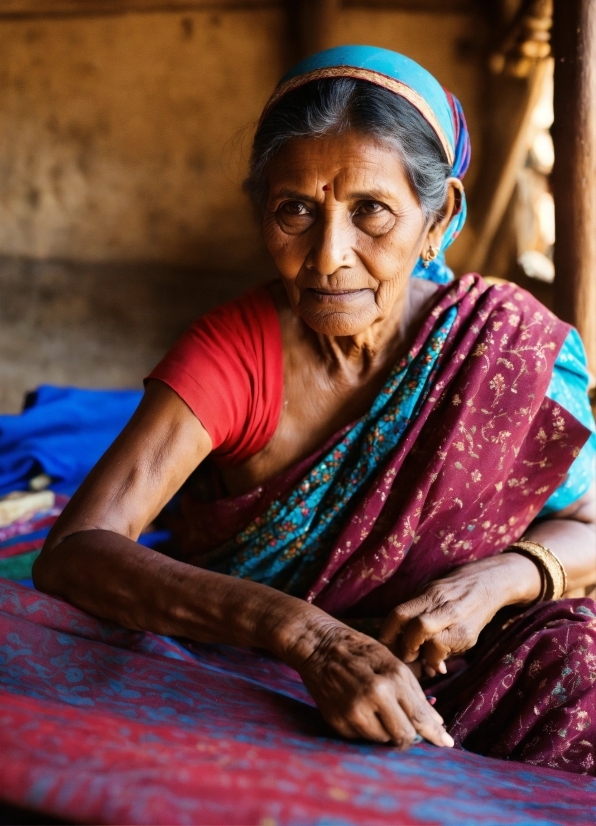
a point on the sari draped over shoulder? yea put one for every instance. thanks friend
(464, 446)
(455, 458)
(424, 480)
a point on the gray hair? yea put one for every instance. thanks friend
(330, 107)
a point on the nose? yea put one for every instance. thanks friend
(332, 245)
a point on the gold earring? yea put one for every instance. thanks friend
(431, 254)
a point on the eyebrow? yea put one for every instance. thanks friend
(293, 193)
(371, 195)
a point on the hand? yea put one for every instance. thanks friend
(364, 691)
(449, 614)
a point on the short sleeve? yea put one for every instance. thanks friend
(569, 388)
(228, 368)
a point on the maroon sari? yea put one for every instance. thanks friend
(472, 470)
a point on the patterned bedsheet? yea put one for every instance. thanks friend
(102, 725)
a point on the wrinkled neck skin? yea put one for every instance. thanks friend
(368, 351)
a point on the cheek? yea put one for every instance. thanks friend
(282, 249)
(399, 248)
(286, 250)
(390, 261)
(271, 235)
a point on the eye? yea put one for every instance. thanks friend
(294, 209)
(294, 217)
(370, 208)
(374, 218)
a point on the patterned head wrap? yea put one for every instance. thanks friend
(404, 77)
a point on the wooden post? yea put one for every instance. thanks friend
(574, 174)
(514, 100)
(312, 25)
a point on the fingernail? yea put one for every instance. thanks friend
(431, 700)
(442, 668)
(448, 740)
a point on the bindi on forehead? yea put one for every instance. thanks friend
(326, 188)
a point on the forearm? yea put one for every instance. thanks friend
(114, 578)
(574, 543)
(515, 579)
(519, 578)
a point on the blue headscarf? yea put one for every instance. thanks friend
(408, 79)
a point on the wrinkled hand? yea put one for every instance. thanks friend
(449, 614)
(363, 690)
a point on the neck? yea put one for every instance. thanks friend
(361, 354)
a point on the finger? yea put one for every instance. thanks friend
(423, 716)
(398, 619)
(427, 725)
(455, 639)
(396, 723)
(342, 726)
(381, 717)
(369, 726)
(416, 668)
(423, 628)
(430, 672)
(435, 651)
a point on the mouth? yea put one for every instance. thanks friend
(332, 296)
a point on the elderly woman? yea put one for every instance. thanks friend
(375, 446)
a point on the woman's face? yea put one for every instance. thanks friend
(344, 229)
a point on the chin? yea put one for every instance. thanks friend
(337, 323)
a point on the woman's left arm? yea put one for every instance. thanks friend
(571, 535)
(449, 614)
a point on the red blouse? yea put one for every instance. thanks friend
(228, 368)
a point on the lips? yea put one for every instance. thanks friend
(335, 295)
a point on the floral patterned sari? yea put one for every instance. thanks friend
(455, 458)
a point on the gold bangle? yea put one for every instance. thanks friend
(554, 578)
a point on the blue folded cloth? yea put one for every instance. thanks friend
(62, 432)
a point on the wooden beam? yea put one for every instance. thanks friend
(438, 6)
(86, 8)
(574, 174)
(90, 8)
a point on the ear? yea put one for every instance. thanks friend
(436, 229)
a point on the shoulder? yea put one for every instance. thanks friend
(571, 379)
(231, 343)
(237, 334)
(228, 369)
(253, 312)
(516, 308)
(572, 360)
(502, 327)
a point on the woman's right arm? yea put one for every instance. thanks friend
(92, 559)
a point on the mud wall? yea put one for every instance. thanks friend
(122, 150)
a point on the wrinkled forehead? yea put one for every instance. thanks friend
(353, 164)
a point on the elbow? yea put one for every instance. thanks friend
(47, 572)
(43, 573)
(53, 566)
